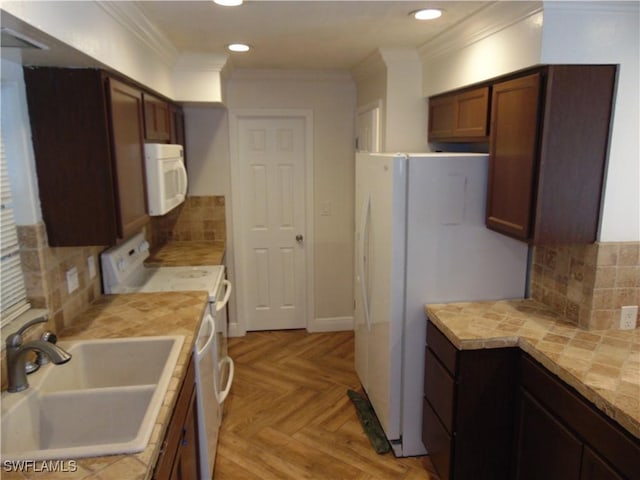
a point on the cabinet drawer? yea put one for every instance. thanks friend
(436, 440)
(439, 389)
(597, 430)
(442, 348)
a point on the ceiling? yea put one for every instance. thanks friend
(307, 34)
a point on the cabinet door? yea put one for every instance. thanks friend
(71, 143)
(157, 119)
(459, 117)
(472, 109)
(595, 468)
(177, 126)
(185, 466)
(545, 448)
(441, 117)
(513, 157)
(126, 127)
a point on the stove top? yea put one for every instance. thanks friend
(123, 271)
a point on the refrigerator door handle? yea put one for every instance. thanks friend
(363, 279)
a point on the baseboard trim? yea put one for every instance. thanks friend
(236, 331)
(330, 324)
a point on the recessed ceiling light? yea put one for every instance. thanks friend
(427, 14)
(238, 47)
(228, 3)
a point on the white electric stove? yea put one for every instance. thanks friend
(123, 271)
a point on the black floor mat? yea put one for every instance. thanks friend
(370, 422)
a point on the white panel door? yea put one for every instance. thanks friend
(272, 164)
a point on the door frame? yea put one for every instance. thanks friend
(239, 327)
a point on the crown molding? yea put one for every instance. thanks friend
(486, 21)
(200, 62)
(338, 76)
(132, 18)
(594, 6)
(372, 65)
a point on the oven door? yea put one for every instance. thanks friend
(224, 373)
(208, 408)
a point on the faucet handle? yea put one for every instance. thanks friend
(30, 323)
(15, 339)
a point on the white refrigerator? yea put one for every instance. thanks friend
(420, 238)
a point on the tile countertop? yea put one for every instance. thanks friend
(138, 314)
(603, 365)
(178, 254)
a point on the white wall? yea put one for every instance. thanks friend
(509, 49)
(16, 132)
(96, 29)
(392, 77)
(607, 33)
(332, 98)
(207, 138)
(405, 122)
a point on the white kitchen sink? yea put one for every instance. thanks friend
(104, 401)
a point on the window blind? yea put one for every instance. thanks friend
(13, 295)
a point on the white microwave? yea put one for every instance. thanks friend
(166, 177)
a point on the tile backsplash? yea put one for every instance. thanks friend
(587, 284)
(45, 268)
(199, 218)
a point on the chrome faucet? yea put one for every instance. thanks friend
(17, 353)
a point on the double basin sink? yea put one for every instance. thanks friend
(104, 401)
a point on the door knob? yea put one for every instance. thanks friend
(299, 238)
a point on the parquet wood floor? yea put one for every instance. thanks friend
(288, 415)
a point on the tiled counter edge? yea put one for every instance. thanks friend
(577, 356)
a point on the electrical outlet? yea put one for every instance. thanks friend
(91, 265)
(72, 280)
(628, 316)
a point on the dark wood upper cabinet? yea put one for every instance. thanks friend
(177, 125)
(549, 137)
(125, 104)
(157, 119)
(87, 138)
(459, 117)
(514, 140)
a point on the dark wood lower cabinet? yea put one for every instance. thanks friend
(179, 457)
(595, 468)
(545, 448)
(468, 409)
(498, 413)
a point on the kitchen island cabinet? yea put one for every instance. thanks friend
(548, 146)
(87, 131)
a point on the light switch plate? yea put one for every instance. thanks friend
(72, 280)
(91, 266)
